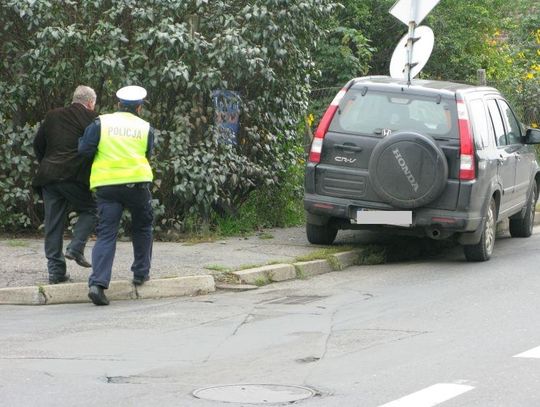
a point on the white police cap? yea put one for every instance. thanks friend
(131, 94)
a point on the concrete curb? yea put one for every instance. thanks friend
(22, 296)
(306, 269)
(118, 290)
(176, 287)
(281, 272)
(265, 274)
(179, 286)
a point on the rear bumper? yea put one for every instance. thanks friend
(322, 209)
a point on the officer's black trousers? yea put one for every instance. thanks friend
(111, 201)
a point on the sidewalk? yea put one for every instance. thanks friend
(24, 263)
(177, 268)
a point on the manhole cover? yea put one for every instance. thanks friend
(254, 393)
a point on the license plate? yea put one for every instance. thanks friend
(396, 218)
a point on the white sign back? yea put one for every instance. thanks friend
(412, 10)
(420, 53)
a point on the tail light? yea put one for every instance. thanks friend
(467, 166)
(316, 144)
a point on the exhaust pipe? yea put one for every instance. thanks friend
(435, 234)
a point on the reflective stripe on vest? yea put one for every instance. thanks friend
(121, 153)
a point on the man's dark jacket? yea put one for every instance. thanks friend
(56, 145)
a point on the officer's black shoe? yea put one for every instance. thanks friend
(57, 279)
(96, 294)
(140, 280)
(79, 259)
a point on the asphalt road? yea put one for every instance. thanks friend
(424, 332)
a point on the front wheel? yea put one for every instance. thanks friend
(320, 234)
(524, 227)
(484, 248)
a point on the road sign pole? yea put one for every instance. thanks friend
(410, 43)
(410, 40)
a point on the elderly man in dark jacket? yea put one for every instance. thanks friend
(63, 178)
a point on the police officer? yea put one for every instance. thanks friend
(121, 144)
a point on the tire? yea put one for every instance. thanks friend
(523, 227)
(408, 170)
(320, 234)
(484, 248)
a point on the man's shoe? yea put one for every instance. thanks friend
(79, 259)
(139, 280)
(57, 279)
(96, 294)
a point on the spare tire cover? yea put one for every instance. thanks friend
(408, 170)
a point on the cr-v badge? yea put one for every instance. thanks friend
(345, 160)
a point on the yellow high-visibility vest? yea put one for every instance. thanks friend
(121, 153)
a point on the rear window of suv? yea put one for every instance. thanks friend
(375, 113)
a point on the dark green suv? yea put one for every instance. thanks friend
(432, 158)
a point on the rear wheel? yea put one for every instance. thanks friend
(317, 234)
(484, 248)
(524, 227)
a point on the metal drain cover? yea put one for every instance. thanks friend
(254, 393)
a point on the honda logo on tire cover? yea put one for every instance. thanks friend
(405, 168)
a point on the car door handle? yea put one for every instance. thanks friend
(501, 160)
(348, 147)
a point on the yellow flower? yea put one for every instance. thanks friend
(536, 67)
(521, 55)
(529, 75)
(509, 60)
(310, 119)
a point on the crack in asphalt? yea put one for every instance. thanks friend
(236, 329)
(411, 334)
(248, 316)
(329, 334)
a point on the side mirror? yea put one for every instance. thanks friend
(532, 136)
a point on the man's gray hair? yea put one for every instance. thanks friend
(84, 95)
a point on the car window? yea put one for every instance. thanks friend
(377, 112)
(513, 129)
(500, 135)
(481, 126)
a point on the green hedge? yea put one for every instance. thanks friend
(180, 51)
